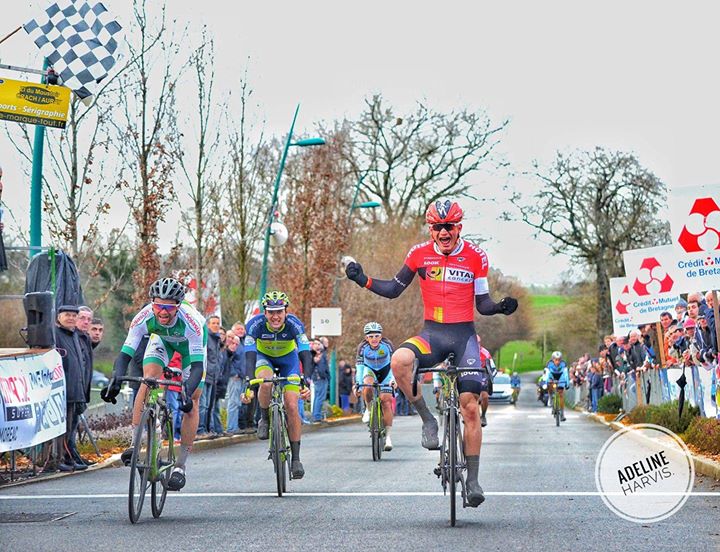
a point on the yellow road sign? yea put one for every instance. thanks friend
(34, 103)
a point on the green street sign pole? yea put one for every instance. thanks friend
(271, 215)
(36, 184)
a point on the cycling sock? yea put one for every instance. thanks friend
(265, 413)
(423, 410)
(473, 464)
(132, 437)
(295, 450)
(182, 457)
(387, 431)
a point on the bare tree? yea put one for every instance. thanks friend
(243, 202)
(595, 205)
(202, 178)
(78, 181)
(146, 134)
(417, 158)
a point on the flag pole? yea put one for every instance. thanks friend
(36, 184)
(9, 35)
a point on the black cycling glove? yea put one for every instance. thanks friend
(112, 390)
(508, 305)
(355, 273)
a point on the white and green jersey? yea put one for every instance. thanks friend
(187, 335)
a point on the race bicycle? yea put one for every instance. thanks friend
(556, 411)
(452, 458)
(279, 451)
(377, 423)
(152, 463)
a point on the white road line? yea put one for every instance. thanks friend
(344, 494)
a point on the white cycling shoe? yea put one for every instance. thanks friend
(388, 443)
(366, 417)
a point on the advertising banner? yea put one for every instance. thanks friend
(34, 103)
(652, 282)
(620, 299)
(32, 394)
(695, 232)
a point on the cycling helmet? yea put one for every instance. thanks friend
(557, 354)
(444, 212)
(275, 300)
(372, 327)
(167, 288)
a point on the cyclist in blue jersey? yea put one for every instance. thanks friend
(373, 365)
(557, 371)
(277, 340)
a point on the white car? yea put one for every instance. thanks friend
(501, 388)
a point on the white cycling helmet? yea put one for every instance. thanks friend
(557, 354)
(372, 327)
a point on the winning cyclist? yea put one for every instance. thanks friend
(557, 370)
(453, 280)
(173, 326)
(373, 365)
(277, 340)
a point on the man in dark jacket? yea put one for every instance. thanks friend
(320, 377)
(345, 384)
(67, 342)
(209, 423)
(235, 370)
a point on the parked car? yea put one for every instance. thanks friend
(99, 379)
(501, 388)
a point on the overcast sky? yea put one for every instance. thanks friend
(639, 76)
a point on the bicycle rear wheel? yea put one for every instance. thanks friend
(452, 476)
(140, 464)
(375, 432)
(165, 463)
(277, 449)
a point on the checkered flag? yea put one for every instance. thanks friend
(80, 40)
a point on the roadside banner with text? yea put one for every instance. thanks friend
(34, 103)
(620, 299)
(32, 388)
(652, 282)
(695, 228)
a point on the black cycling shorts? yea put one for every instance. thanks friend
(436, 341)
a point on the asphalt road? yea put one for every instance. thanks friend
(534, 475)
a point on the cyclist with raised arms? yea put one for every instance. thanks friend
(373, 365)
(453, 283)
(557, 371)
(173, 326)
(276, 339)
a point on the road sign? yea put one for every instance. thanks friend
(33, 103)
(326, 321)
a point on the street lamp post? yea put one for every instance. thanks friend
(271, 212)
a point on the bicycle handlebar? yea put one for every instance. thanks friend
(448, 367)
(274, 379)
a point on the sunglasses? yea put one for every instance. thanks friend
(449, 226)
(164, 307)
(373, 336)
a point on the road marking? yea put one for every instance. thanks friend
(336, 494)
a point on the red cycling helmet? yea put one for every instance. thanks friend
(444, 212)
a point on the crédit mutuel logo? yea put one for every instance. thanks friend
(623, 301)
(652, 278)
(644, 473)
(702, 228)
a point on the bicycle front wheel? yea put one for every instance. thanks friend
(452, 435)
(375, 432)
(140, 465)
(556, 406)
(277, 450)
(165, 463)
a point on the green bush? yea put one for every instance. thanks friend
(610, 404)
(665, 415)
(704, 433)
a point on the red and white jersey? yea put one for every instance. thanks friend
(449, 283)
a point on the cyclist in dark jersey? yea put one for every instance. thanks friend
(453, 283)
